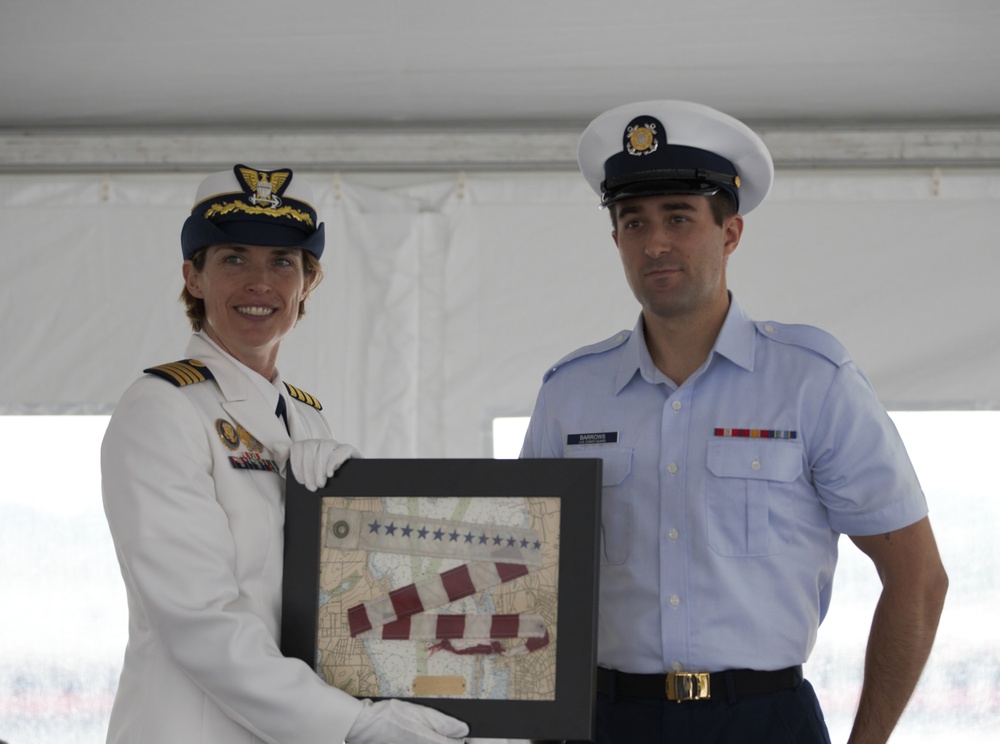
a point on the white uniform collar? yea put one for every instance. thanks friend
(270, 389)
(249, 397)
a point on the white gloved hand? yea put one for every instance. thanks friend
(399, 722)
(314, 460)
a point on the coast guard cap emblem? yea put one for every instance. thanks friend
(640, 139)
(263, 187)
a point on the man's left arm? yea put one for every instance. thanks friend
(914, 584)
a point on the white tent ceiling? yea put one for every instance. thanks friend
(198, 63)
(394, 73)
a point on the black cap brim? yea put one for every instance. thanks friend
(199, 233)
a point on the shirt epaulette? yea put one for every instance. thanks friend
(600, 347)
(184, 372)
(304, 397)
(808, 337)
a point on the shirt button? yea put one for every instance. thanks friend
(769, 328)
(672, 468)
(676, 666)
(676, 405)
(755, 464)
(673, 534)
(675, 600)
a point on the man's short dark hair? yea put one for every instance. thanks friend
(720, 203)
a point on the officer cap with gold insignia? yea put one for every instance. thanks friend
(674, 147)
(254, 207)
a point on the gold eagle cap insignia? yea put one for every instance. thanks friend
(264, 187)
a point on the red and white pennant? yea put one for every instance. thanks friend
(490, 629)
(400, 614)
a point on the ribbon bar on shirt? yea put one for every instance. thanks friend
(757, 433)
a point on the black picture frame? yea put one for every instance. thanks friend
(575, 482)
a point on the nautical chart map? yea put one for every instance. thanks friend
(439, 597)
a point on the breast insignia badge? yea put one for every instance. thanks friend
(227, 433)
(249, 440)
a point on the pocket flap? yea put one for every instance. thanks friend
(755, 459)
(617, 462)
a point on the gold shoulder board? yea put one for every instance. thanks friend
(303, 396)
(184, 372)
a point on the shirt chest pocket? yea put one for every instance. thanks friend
(616, 499)
(749, 481)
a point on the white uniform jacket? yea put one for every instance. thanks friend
(196, 509)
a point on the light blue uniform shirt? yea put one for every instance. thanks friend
(718, 548)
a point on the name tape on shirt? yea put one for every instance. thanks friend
(600, 437)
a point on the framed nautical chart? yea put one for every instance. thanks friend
(466, 585)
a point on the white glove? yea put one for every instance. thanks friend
(400, 722)
(314, 460)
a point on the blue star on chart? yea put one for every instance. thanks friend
(497, 539)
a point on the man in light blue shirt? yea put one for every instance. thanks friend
(734, 455)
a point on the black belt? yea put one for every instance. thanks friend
(730, 685)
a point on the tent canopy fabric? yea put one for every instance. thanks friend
(256, 64)
(446, 296)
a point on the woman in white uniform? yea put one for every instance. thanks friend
(194, 464)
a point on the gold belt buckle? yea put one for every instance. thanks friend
(682, 686)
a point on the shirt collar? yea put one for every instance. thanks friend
(269, 389)
(738, 337)
(735, 342)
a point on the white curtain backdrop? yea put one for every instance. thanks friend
(446, 296)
